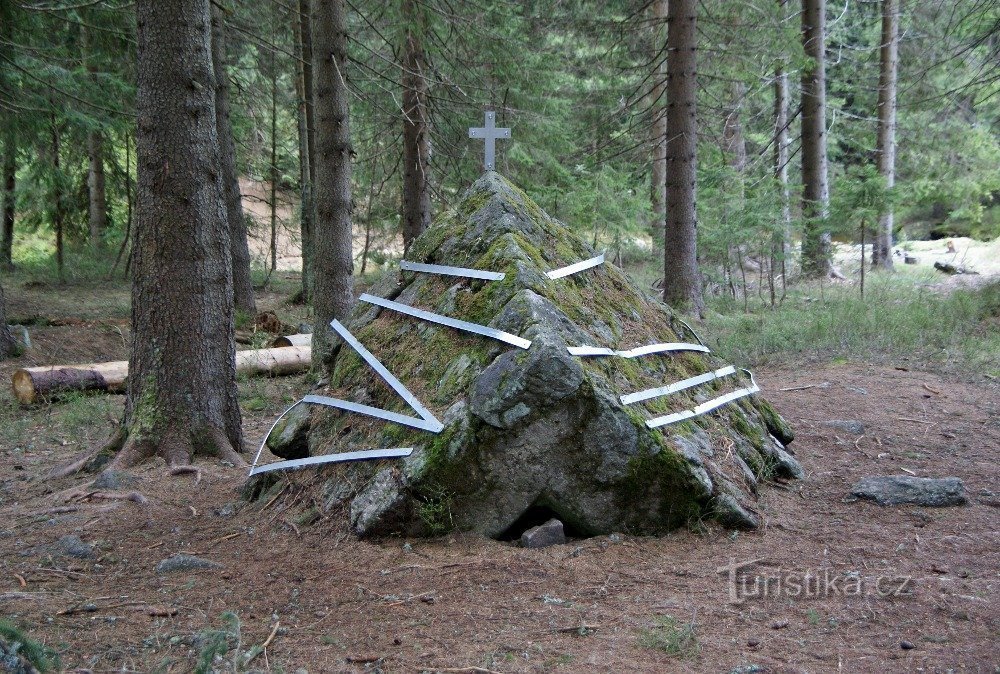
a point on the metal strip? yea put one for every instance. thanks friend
(406, 265)
(691, 330)
(706, 406)
(636, 352)
(577, 267)
(396, 385)
(271, 430)
(361, 455)
(677, 386)
(450, 322)
(432, 424)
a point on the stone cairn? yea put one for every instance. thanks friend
(506, 374)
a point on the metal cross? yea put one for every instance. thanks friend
(490, 133)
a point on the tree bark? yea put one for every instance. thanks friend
(98, 213)
(658, 127)
(886, 146)
(182, 395)
(681, 277)
(416, 202)
(815, 190)
(243, 297)
(304, 93)
(333, 263)
(8, 346)
(9, 181)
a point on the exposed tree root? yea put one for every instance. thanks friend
(184, 470)
(90, 460)
(175, 446)
(133, 496)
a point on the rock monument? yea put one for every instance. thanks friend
(583, 424)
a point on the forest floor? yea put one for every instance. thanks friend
(461, 603)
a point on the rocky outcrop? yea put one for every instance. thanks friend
(534, 429)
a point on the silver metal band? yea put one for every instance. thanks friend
(706, 406)
(577, 267)
(361, 455)
(638, 351)
(445, 320)
(432, 424)
(677, 386)
(271, 430)
(406, 265)
(391, 380)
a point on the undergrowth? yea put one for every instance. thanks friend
(671, 636)
(15, 642)
(898, 320)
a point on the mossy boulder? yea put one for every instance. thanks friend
(533, 433)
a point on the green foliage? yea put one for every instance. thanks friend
(42, 657)
(671, 636)
(898, 319)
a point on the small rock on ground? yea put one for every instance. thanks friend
(544, 535)
(852, 426)
(72, 546)
(903, 489)
(185, 563)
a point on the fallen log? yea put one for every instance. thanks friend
(293, 340)
(32, 383)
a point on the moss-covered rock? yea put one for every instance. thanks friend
(535, 429)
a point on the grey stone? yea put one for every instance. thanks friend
(290, 437)
(905, 489)
(729, 511)
(373, 508)
(225, 510)
(305, 328)
(73, 546)
(851, 426)
(182, 562)
(538, 428)
(544, 535)
(114, 479)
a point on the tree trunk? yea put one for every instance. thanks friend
(243, 297)
(182, 395)
(307, 145)
(333, 288)
(681, 277)
(58, 201)
(781, 145)
(815, 191)
(305, 174)
(7, 344)
(9, 182)
(416, 206)
(658, 128)
(98, 210)
(95, 182)
(273, 168)
(31, 384)
(886, 149)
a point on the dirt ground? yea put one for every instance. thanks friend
(331, 603)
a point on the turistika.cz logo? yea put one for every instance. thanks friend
(747, 583)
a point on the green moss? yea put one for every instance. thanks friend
(742, 425)
(776, 426)
(664, 477)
